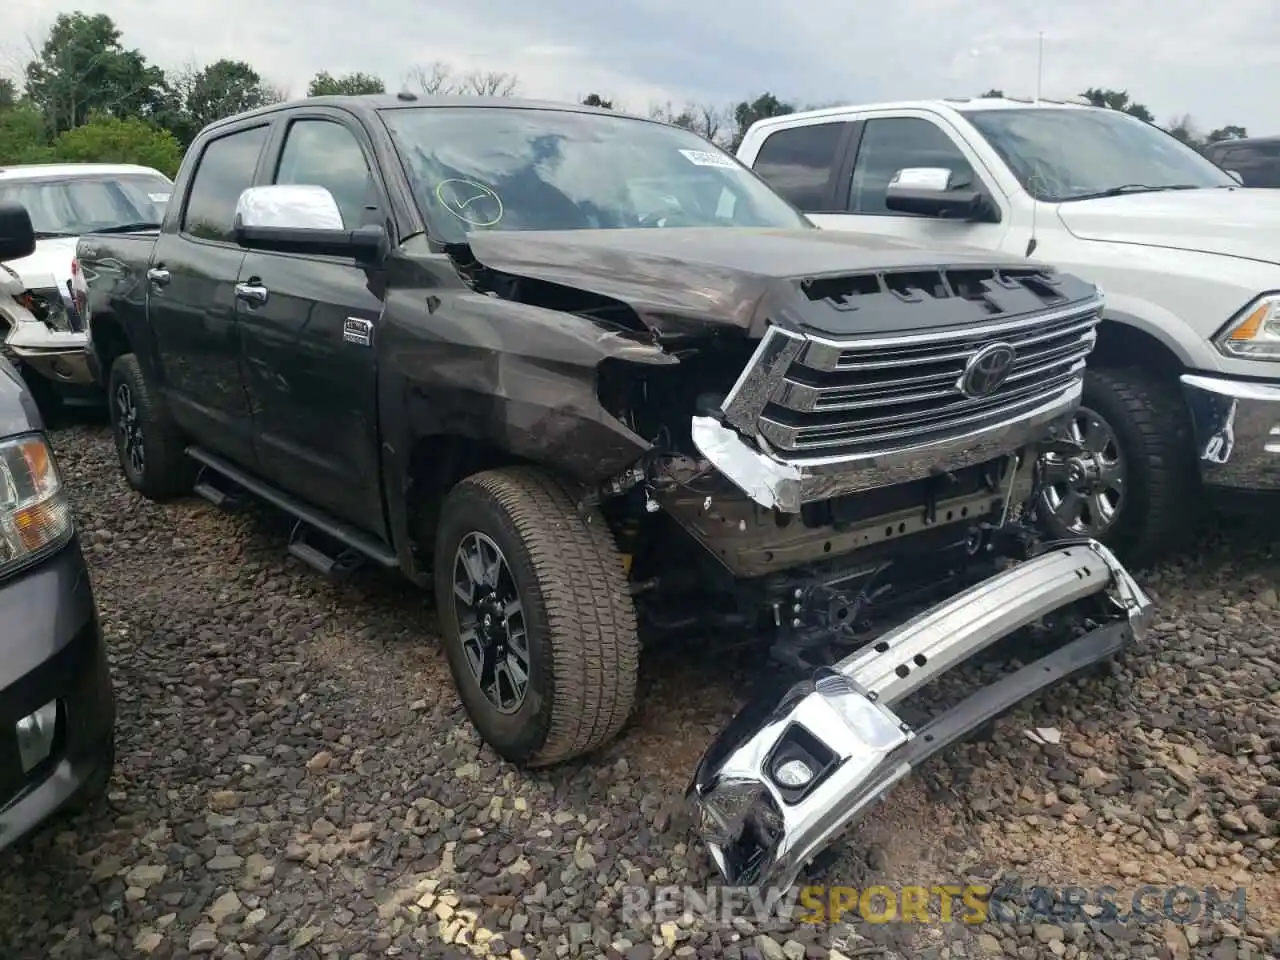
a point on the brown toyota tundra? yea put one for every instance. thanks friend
(595, 383)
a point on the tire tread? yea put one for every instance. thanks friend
(589, 611)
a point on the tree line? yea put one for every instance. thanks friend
(83, 96)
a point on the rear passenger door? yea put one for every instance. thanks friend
(191, 305)
(803, 164)
(309, 326)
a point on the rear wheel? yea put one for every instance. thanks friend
(149, 444)
(537, 619)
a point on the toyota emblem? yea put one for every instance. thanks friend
(987, 370)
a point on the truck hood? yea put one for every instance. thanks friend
(715, 275)
(1234, 222)
(50, 264)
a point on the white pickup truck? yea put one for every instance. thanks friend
(1182, 395)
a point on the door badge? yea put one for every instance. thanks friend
(357, 331)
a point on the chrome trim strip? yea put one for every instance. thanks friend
(818, 345)
(787, 484)
(755, 386)
(938, 639)
(789, 440)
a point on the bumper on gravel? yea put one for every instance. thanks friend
(785, 778)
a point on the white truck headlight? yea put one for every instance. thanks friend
(1254, 334)
(35, 515)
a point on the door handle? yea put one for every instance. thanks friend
(251, 293)
(158, 276)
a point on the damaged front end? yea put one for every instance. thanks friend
(44, 327)
(816, 421)
(784, 779)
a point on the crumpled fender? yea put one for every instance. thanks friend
(510, 375)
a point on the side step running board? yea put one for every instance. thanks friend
(310, 522)
(207, 486)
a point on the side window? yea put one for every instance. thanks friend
(326, 154)
(890, 144)
(225, 170)
(797, 162)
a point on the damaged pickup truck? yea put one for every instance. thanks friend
(595, 382)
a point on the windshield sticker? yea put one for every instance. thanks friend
(159, 197)
(705, 158)
(472, 203)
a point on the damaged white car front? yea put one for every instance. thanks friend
(43, 320)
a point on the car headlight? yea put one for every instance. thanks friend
(1254, 334)
(48, 307)
(35, 516)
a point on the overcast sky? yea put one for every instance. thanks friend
(1219, 62)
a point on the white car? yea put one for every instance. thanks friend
(1185, 377)
(43, 327)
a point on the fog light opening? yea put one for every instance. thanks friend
(36, 732)
(793, 774)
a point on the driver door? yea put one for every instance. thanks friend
(886, 144)
(309, 329)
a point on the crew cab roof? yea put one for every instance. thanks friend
(369, 104)
(942, 105)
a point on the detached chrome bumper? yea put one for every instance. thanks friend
(784, 779)
(1237, 431)
(787, 484)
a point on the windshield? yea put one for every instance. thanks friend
(493, 168)
(1061, 155)
(70, 206)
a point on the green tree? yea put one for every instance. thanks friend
(595, 100)
(994, 92)
(107, 139)
(225, 88)
(22, 136)
(1230, 132)
(82, 69)
(325, 84)
(1117, 100)
(8, 94)
(761, 108)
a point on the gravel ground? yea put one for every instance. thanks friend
(296, 779)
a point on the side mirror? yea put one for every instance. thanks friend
(301, 218)
(928, 191)
(1236, 176)
(17, 236)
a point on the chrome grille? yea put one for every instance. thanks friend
(821, 397)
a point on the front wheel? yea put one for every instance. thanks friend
(149, 445)
(1134, 486)
(537, 619)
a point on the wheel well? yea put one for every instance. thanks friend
(1120, 345)
(109, 342)
(438, 463)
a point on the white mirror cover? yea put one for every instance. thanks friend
(289, 206)
(922, 178)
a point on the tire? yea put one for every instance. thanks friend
(140, 421)
(581, 647)
(1160, 508)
